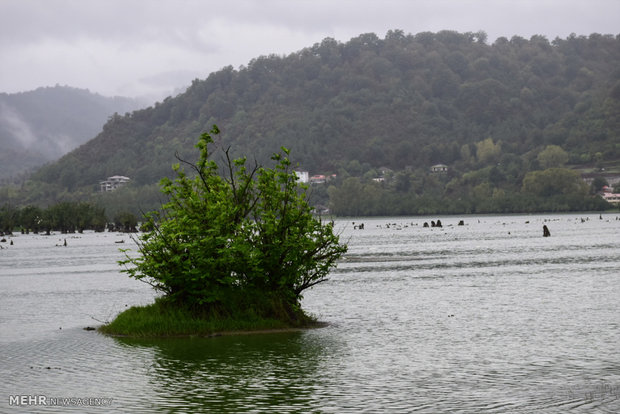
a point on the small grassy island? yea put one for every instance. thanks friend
(163, 319)
(232, 250)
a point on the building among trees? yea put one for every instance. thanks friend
(439, 168)
(114, 182)
(609, 196)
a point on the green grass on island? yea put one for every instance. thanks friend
(165, 319)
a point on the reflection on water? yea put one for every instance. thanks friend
(486, 317)
(277, 372)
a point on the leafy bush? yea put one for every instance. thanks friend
(243, 238)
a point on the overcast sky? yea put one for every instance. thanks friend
(151, 47)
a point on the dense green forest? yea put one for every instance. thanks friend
(515, 121)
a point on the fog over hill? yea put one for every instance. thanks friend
(42, 125)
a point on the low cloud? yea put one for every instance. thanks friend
(19, 134)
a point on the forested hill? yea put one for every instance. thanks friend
(370, 105)
(42, 125)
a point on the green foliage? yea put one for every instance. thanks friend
(244, 238)
(554, 181)
(126, 222)
(8, 218)
(553, 156)
(487, 151)
(597, 184)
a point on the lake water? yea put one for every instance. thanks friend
(485, 317)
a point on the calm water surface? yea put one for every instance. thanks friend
(486, 317)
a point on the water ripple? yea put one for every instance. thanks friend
(487, 317)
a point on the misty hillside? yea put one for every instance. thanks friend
(370, 105)
(42, 125)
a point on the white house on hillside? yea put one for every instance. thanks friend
(609, 196)
(439, 168)
(612, 198)
(114, 182)
(318, 179)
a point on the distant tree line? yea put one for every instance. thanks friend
(64, 217)
(499, 183)
(367, 198)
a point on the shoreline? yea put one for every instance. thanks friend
(159, 320)
(241, 332)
